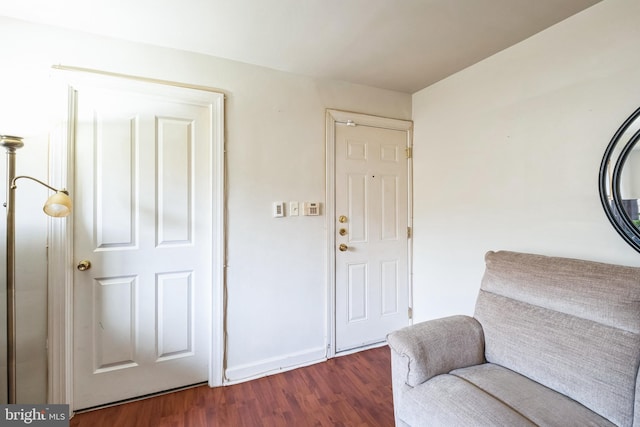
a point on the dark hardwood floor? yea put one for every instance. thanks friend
(350, 391)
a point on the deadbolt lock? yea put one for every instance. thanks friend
(343, 232)
(342, 219)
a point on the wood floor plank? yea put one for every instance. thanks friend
(349, 391)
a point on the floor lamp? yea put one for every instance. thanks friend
(58, 205)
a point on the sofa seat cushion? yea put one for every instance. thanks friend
(448, 400)
(535, 402)
(490, 395)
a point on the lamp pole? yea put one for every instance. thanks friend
(59, 206)
(11, 144)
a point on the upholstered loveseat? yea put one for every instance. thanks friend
(553, 342)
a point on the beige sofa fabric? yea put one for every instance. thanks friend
(562, 342)
(570, 325)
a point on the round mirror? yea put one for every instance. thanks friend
(620, 180)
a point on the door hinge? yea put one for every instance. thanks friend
(408, 232)
(410, 312)
(409, 151)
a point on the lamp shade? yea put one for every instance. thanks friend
(58, 205)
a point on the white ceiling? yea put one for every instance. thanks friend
(403, 45)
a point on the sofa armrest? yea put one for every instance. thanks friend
(435, 347)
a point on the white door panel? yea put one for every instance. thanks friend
(143, 218)
(372, 280)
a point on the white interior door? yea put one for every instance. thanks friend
(372, 220)
(143, 219)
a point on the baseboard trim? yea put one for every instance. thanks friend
(275, 365)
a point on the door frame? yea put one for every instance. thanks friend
(61, 255)
(339, 117)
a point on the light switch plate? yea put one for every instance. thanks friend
(294, 209)
(278, 209)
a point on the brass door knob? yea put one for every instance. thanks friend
(84, 265)
(343, 247)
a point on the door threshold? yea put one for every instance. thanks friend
(137, 398)
(363, 347)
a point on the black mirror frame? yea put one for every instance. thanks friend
(609, 185)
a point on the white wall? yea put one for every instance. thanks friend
(277, 295)
(507, 154)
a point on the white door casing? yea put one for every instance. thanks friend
(371, 181)
(137, 233)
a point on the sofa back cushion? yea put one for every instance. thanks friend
(571, 325)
